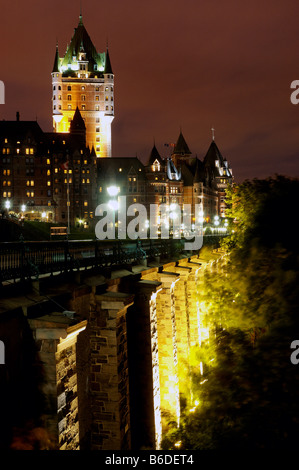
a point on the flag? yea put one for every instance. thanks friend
(65, 165)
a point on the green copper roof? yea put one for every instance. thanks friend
(181, 147)
(81, 42)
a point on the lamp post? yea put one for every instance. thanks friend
(216, 222)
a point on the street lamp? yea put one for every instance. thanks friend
(7, 205)
(113, 204)
(112, 190)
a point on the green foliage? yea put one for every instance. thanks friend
(248, 395)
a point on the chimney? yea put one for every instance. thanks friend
(18, 116)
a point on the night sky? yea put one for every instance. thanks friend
(190, 65)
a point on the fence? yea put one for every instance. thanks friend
(28, 260)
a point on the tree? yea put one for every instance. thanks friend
(248, 394)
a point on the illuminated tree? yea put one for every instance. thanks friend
(247, 394)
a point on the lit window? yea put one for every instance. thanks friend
(48, 161)
(85, 203)
(69, 97)
(97, 108)
(49, 183)
(69, 106)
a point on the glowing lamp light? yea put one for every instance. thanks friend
(112, 190)
(23, 208)
(173, 215)
(7, 204)
(57, 117)
(44, 215)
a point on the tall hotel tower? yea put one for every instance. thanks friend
(83, 79)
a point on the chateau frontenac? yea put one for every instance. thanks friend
(61, 176)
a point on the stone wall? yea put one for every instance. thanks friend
(109, 384)
(113, 373)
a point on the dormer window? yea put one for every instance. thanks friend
(156, 166)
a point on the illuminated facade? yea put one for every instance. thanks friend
(47, 176)
(83, 78)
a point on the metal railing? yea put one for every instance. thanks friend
(25, 260)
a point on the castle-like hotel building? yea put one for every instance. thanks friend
(61, 176)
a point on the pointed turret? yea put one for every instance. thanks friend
(56, 61)
(181, 148)
(154, 155)
(81, 41)
(77, 126)
(213, 159)
(108, 68)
